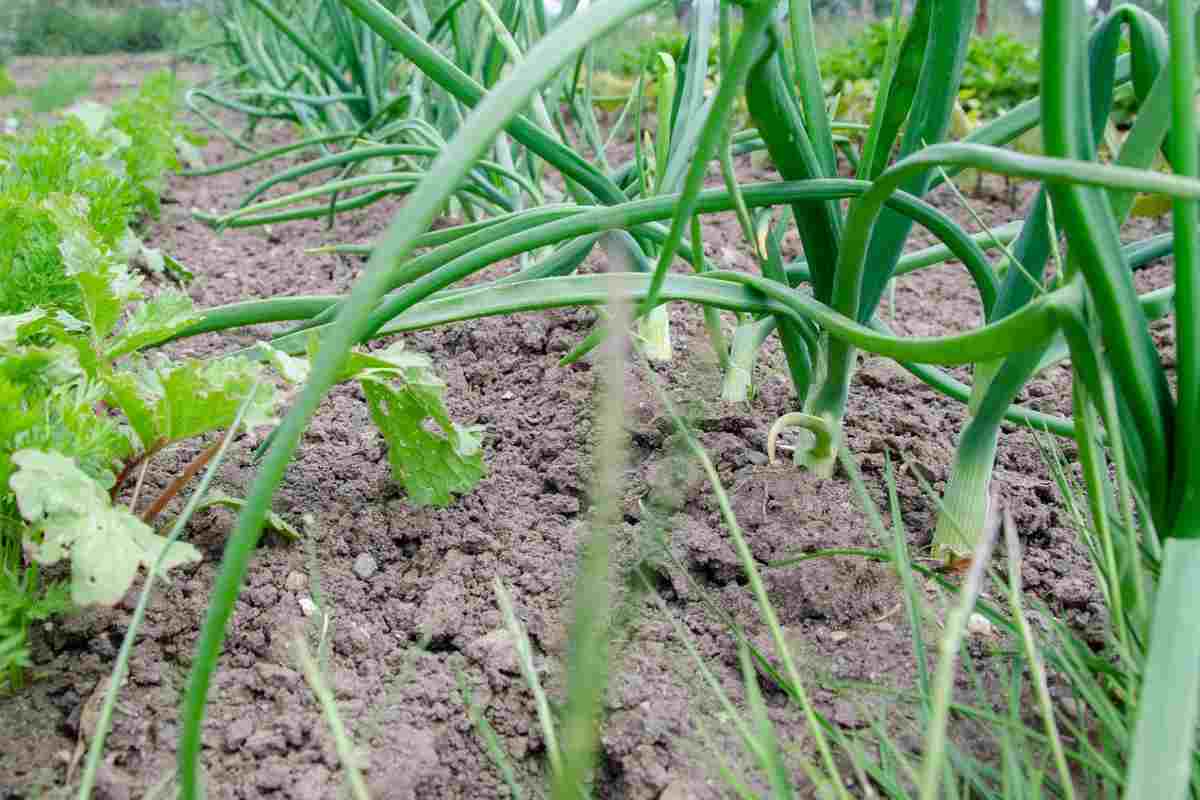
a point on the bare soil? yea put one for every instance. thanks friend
(401, 638)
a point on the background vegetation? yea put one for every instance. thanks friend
(93, 27)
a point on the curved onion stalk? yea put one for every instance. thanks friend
(476, 186)
(932, 63)
(366, 154)
(736, 291)
(291, 147)
(536, 228)
(964, 511)
(543, 62)
(531, 295)
(829, 402)
(927, 73)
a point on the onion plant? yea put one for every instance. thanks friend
(824, 310)
(364, 111)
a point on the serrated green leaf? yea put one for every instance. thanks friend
(404, 393)
(359, 364)
(101, 305)
(167, 402)
(431, 468)
(394, 357)
(154, 321)
(124, 392)
(11, 325)
(75, 518)
(41, 367)
(93, 115)
(201, 396)
(105, 284)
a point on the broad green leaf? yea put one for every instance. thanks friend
(166, 402)
(392, 358)
(41, 367)
(201, 396)
(154, 321)
(404, 393)
(105, 284)
(74, 518)
(430, 467)
(101, 305)
(139, 407)
(93, 115)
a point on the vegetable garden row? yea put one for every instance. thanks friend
(487, 114)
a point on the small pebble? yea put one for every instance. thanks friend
(837, 637)
(978, 625)
(365, 566)
(307, 606)
(295, 582)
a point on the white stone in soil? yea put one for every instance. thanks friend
(365, 566)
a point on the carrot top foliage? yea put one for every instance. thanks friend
(89, 403)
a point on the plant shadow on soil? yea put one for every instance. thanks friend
(419, 610)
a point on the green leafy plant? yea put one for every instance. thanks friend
(8, 86)
(61, 88)
(88, 407)
(75, 28)
(63, 457)
(156, 138)
(1000, 72)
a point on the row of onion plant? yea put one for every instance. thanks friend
(370, 122)
(824, 310)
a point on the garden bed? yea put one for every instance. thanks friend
(408, 592)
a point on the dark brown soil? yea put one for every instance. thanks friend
(400, 639)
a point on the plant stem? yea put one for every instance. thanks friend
(184, 478)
